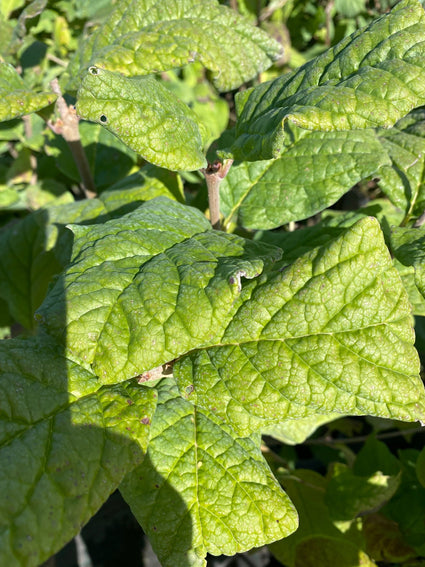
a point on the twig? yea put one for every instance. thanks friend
(269, 10)
(56, 60)
(214, 175)
(328, 12)
(67, 126)
(362, 438)
(83, 557)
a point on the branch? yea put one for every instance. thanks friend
(363, 438)
(214, 175)
(67, 126)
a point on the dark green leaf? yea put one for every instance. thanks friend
(348, 494)
(318, 541)
(407, 507)
(66, 444)
(109, 159)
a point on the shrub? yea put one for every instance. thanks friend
(156, 343)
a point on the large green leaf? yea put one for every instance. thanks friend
(145, 115)
(150, 36)
(16, 99)
(149, 286)
(370, 79)
(305, 341)
(203, 489)
(312, 174)
(66, 444)
(298, 340)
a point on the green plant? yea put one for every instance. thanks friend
(155, 350)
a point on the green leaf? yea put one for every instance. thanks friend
(145, 115)
(148, 36)
(375, 456)
(370, 79)
(146, 184)
(309, 176)
(149, 286)
(66, 444)
(304, 341)
(332, 225)
(403, 180)
(317, 541)
(299, 340)
(203, 489)
(348, 494)
(16, 99)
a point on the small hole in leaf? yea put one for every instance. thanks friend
(93, 70)
(103, 119)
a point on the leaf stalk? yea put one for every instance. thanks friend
(68, 128)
